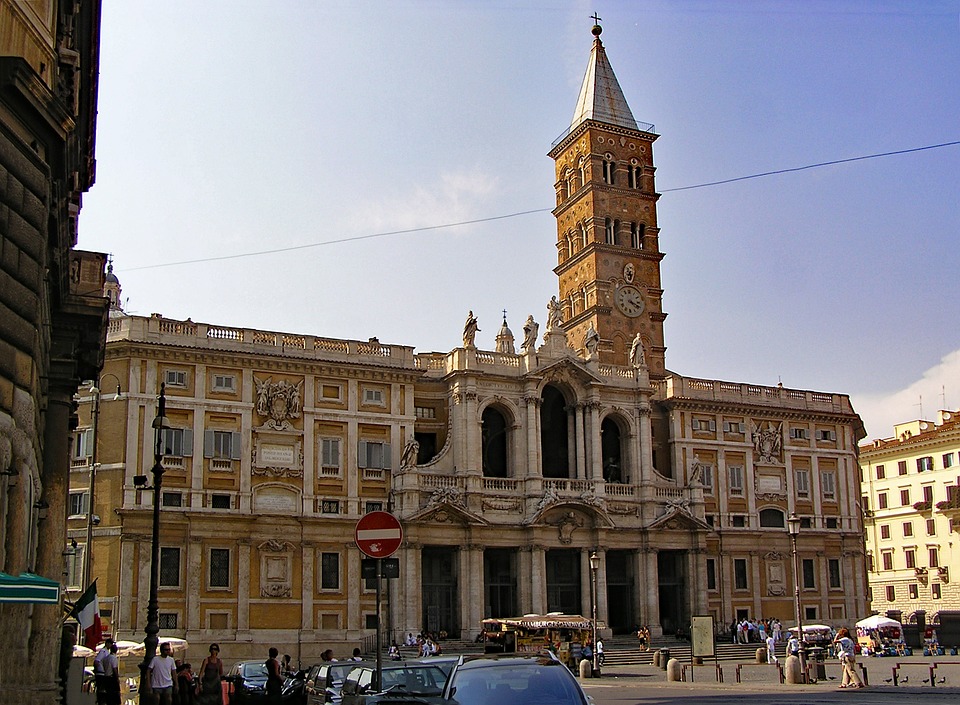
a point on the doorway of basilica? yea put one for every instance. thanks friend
(672, 584)
(441, 606)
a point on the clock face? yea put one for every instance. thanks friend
(629, 300)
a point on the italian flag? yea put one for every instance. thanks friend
(87, 613)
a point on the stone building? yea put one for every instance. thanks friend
(507, 469)
(51, 306)
(912, 514)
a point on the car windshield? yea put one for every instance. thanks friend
(524, 683)
(339, 671)
(414, 680)
(254, 670)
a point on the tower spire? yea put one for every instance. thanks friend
(601, 97)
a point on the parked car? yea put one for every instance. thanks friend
(513, 679)
(412, 682)
(325, 680)
(247, 682)
(294, 688)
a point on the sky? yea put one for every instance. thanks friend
(356, 169)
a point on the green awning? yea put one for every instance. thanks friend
(28, 587)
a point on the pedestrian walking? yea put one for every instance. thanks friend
(274, 679)
(848, 659)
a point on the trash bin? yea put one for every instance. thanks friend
(664, 657)
(816, 666)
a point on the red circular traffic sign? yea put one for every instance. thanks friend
(378, 534)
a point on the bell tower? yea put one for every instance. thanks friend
(608, 253)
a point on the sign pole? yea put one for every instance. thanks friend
(379, 678)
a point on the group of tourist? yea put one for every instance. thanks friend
(747, 631)
(426, 643)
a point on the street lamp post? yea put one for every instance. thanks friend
(595, 671)
(94, 463)
(793, 526)
(153, 618)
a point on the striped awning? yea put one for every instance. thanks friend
(28, 587)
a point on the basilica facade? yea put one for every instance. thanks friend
(508, 468)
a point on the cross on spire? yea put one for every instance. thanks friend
(595, 17)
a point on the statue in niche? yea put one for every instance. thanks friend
(637, 358)
(530, 331)
(554, 314)
(470, 330)
(279, 402)
(591, 341)
(611, 470)
(410, 452)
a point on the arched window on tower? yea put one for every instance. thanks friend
(583, 298)
(608, 231)
(608, 170)
(570, 244)
(583, 172)
(583, 235)
(494, 434)
(637, 237)
(637, 173)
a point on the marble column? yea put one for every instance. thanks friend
(195, 583)
(573, 442)
(580, 442)
(538, 580)
(596, 458)
(602, 607)
(524, 579)
(308, 591)
(121, 617)
(652, 596)
(471, 582)
(410, 613)
(533, 438)
(243, 589)
(644, 445)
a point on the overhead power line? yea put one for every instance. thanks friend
(294, 248)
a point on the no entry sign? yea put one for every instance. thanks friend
(379, 534)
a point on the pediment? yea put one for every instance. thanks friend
(678, 519)
(443, 512)
(570, 514)
(569, 369)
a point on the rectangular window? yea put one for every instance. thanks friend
(934, 556)
(220, 501)
(177, 442)
(330, 571)
(884, 531)
(882, 500)
(931, 527)
(803, 482)
(169, 567)
(833, 569)
(914, 592)
(75, 566)
(372, 507)
(711, 574)
(704, 425)
(736, 479)
(907, 529)
(740, 573)
(175, 378)
(824, 434)
(739, 521)
(167, 620)
(828, 481)
(831, 522)
(224, 383)
(426, 412)
(902, 467)
(707, 478)
(330, 452)
(373, 455)
(935, 591)
(905, 498)
(881, 473)
(925, 464)
(171, 499)
(808, 574)
(928, 493)
(887, 560)
(224, 445)
(371, 619)
(734, 427)
(83, 446)
(911, 557)
(891, 593)
(219, 567)
(373, 396)
(800, 433)
(78, 503)
(947, 460)
(330, 506)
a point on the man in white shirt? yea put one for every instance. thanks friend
(771, 649)
(98, 678)
(162, 673)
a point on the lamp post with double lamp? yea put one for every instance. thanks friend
(594, 561)
(793, 526)
(153, 619)
(92, 519)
